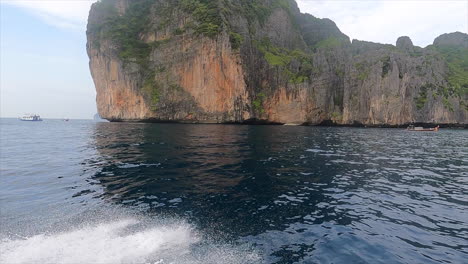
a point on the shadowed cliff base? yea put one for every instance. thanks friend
(206, 122)
(329, 123)
(325, 123)
(242, 61)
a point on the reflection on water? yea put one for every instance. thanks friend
(287, 194)
(299, 193)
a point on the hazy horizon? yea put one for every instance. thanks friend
(44, 65)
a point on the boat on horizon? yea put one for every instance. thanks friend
(31, 117)
(422, 129)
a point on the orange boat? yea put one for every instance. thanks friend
(422, 129)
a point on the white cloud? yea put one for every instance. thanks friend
(384, 21)
(377, 20)
(69, 14)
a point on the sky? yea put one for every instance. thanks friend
(44, 65)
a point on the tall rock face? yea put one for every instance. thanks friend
(262, 61)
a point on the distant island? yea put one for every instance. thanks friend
(262, 61)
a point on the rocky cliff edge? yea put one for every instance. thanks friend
(262, 61)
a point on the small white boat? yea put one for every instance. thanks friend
(422, 129)
(29, 117)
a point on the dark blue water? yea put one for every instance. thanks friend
(85, 192)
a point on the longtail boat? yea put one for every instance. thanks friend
(422, 129)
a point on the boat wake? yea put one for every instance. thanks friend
(129, 240)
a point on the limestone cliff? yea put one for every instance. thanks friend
(240, 61)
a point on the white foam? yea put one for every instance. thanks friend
(121, 241)
(103, 243)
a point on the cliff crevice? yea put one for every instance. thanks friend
(237, 61)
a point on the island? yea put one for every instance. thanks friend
(265, 62)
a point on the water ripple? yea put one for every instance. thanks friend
(298, 194)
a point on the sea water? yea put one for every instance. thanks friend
(87, 192)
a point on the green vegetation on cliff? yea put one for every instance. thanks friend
(208, 15)
(362, 70)
(151, 90)
(457, 61)
(329, 43)
(255, 10)
(125, 30)
(296, 65)
(421, 99)
(236, 40)
(386, 65)
(211, 14)
(437, 92)
(267, 47)
(258, 103)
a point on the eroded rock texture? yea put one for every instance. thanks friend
(236, 61)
